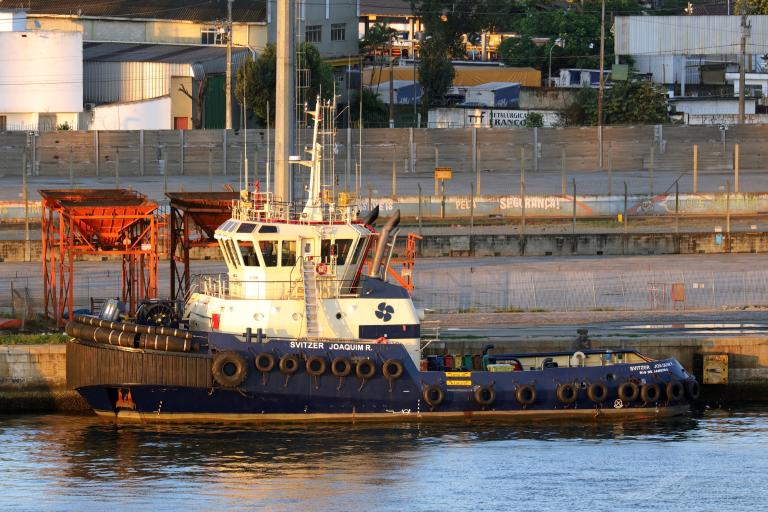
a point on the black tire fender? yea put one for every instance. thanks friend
(434, 395)
(229, 369)
(392, 369)
(341, 367)
(365, 369)
(265, 362)
(485, 395)
(289, 364)
(316, 366)
(567, 393)
(650, 393)
(597, 392)
(525, 394)
(628, 391)
(693, 388)
(675, 390)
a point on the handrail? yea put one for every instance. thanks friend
(220, 286)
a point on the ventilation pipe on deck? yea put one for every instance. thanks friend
(382, 245)
(369, 219)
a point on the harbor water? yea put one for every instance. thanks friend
(715, 460)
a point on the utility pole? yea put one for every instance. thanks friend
(391, 88)
(602, 56)
(284, 112)
(742, 62)
(229, 66)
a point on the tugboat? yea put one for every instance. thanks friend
(296, 330)
(305, 325)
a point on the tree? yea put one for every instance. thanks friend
(256, 81)
(377, 36)
(751, 7)
(375, 112)
(625, 102)
(534, 120)
(435, 72)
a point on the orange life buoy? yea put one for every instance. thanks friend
(321, 268)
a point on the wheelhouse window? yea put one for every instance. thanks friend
(248, 252)
(269, 252)
(338, 249)
(314, 33)
(288, 253)
(338, 31)
(230, 252)
(358, 250)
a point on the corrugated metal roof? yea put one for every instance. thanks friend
(493, 86)
(186, 10)
(154, 52)
(687, 35)
(385, 8)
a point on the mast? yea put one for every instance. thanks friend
(284, 108)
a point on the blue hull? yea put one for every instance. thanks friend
(275, 395)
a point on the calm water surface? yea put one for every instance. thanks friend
(714, 461)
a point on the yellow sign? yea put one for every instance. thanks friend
(459, 382)
(443, 173)
(458, 374)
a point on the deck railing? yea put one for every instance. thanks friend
(221, 286)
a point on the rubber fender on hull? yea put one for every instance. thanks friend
(525, 394)
(597, 392)
(485, 395)
(341, 367)
(229, 369)
(135, 328)
(129, 338)
(365, 369)
(675, 390)
(392, 369)
(434, 395)
(693, 388)
(567, 393)
(316, 366)
(265, 362)
(650, 393)
(628, 391)
(289, 364)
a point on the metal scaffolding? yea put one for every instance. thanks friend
(194, 219)
(97, 222)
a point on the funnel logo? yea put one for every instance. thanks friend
(384, 312)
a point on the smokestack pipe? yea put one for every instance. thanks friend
(369, 219)
(382, 245)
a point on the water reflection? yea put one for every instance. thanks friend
(70, 461)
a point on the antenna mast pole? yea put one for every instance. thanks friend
(284, 108)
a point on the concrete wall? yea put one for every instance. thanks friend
(33, 377)
(154, 114)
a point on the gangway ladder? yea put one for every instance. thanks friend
(311, 306)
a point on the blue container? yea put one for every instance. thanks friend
(439, 363)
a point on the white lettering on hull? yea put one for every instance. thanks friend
(318, 345)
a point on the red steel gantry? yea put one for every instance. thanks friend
(106, 222)
(203, 212)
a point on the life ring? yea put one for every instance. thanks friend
(628, 392)
(693, 388)
(597, 392)
(650, 393)
(434, 395)
(265, 362)
(341, 367)
(289, 364)
(392, 369)
(675, 391)
(229, 369)
(577, 359)
(321, 269)
(365, 369)
(315, 366)
(525, 394)
(485, 395)
(567, 393)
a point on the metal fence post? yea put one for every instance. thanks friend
(224, 157)
(141, 152)
(573, 181)
(736, 169)
(728, 215)
(181, 152)
(695, 168)
(96, 152)
(651, 169)
(210, 169)
(474, 159)
(522, 198)
(562, 170)
(117, 167)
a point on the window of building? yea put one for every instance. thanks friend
(338, 31)
(288, 253)
(3, 123)
(212, 35)
(269, 252)
(314, 33)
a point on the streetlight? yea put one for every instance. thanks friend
(558, 42)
